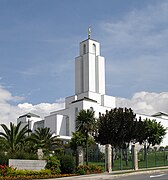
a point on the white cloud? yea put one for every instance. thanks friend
(146, 102)
(42, 109)
(10, 113)
(140, 29)
(141, 102)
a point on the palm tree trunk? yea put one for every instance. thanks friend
(87, 161)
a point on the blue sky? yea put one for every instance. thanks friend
(39, 40)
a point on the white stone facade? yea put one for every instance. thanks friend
(30, 119)
(89, 90)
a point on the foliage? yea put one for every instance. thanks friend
(78, 139)
(53, 164)
(9, 173)
(116, 127)
(67, 164)
(24, 155)
(3, 158)
(91, 169)
(5, 170)
(152, 132)
(119, 127)
(86, 124)
(13, 138)
(59, 152)
(43, 139)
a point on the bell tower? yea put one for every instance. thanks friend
(89, 68)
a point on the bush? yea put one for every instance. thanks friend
(3, 158)
(24, 155)
(67, 164)
(53, 164)
(91, 169)
(6, 170)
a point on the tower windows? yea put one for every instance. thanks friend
(91, 108)
(84, 49)
(94, 48)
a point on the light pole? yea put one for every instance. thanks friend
(29, 128)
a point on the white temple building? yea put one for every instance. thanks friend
(89, 94)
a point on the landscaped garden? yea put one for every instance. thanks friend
(117, 127)
(17, 143)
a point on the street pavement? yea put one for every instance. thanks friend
(122, 175)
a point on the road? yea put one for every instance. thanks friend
(148, 175)
(163, 175)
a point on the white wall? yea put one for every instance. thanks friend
(28, 120)
(27, 164)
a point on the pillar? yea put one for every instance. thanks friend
(134, 157)
(80, 156)
(108, 158)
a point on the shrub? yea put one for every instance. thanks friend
(53, 164)
(24, 155)
(3, 158)
(6, 170)
(67, 164)
(84, 169)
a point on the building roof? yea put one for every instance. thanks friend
(89, 39)
(158, 114)
(29, 115)
(85, 99)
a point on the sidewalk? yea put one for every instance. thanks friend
(114, 174)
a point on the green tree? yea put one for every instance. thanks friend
(77, 140)
(117, 127)
(14, 137)
(86, 125)
(43, 139)
(152, 132)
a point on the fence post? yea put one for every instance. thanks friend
(80, 156)
(120, 159)
(108, 158)
(134, 157)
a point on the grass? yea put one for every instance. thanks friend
(154, 159)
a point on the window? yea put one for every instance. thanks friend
(84, 49)
(67, 126)
(76, 114)
(94, 48)
(91, 108)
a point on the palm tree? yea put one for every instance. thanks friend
(13, 138)
(86, 124)
(43, 139)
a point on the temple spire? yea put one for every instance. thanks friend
(89, 32)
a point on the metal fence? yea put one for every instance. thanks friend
(123, 159)
(148, 158)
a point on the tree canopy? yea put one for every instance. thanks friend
(152, 132)
(44, 139)
(14, 137)
(116, 127)
(119, 127)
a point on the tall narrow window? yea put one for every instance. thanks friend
(91, 108)
(76, 114)
(84, 49)
(67, 126)
(94, 48)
